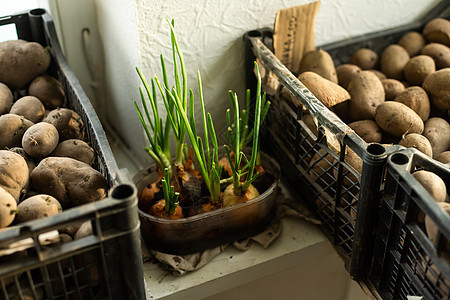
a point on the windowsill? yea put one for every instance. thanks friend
(299, 242)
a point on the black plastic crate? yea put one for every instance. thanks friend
(406, 262)
(104, 265)
(345, 198)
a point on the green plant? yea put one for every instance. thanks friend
(238, 136)
(170, 196)
(208, 159)
(159, 142)
(159, 148)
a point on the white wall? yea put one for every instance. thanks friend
(210, 33)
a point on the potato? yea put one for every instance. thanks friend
(368, 130)
(393, 60)
(36, 207)
(345, 73)
(342, 111)
(416, 98)
(366, 92)
(379, 74)
(49, 90)
(418, 68)
(40, 140)
(84, 230)
(290, 99)
(413, 42)
(309, 121)
(21, 62)
(30, 108)
(432, 229)
(68, 122)
(30, 161)
(12, 128)
(437, 31)
(326, 91)
(77, 149)
(70, 181)
(432, 183)
(396, 119)
(444, 157)
(356, 163)
(365, 59)
(89, 258)
(8, 206)
(392, 87)
(437, 86)
(418, 141)
(71, 229)
(14, 174)
(320, 62)
(321, 170)
(439, 53)
(6, 99)
(24, 289)
(437, 131)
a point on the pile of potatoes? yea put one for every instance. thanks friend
(399, 96)
(45, 163)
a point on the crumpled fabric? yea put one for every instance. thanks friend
(178, 265)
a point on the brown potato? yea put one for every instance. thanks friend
(416, 98)
(413, 42)
(40, 140)
(397, 119)
(12, 128)
(440, 53)
(320, 62)
(342, 111)
(309, 121)
(21, 62)
(444, 157)
(290, 99)
(392, 87)
(76, 149)
(70, 181)
(393, 60)
(365, 59)
(326, 91)
(418, 141)
(368, 130)
(49, 90)
(437, 31)
(437, 131)
(37, 207)
(431, 227)
(8, 206)
(432, 183)
(90, 258)
(437, 86)
(14, 174)
(321, 170)
(30, 161)
(418, 68)
(68, 122)
(345, 73)
(24, 290)
(356, 163)
(366, 92)
(6, 99)
(379, 74)
(30, 108)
